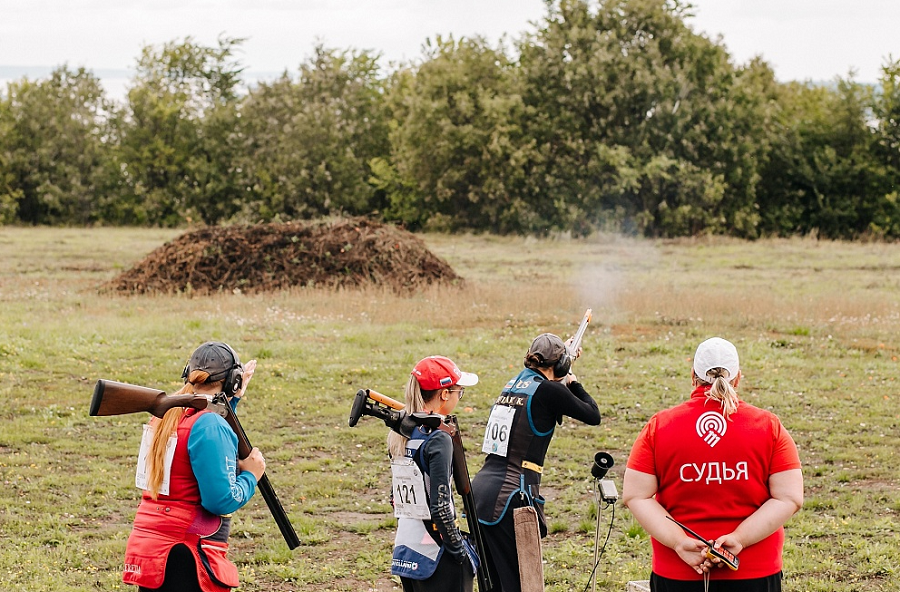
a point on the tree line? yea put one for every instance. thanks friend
(610, 115)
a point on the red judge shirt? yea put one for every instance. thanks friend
(712, 474)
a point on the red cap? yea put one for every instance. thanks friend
(437, 372)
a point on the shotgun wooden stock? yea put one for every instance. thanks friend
(119, 398)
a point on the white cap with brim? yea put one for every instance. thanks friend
(716, 352)
(467, 379)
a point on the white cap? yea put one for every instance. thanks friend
(716, 352)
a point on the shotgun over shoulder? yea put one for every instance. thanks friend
(119, 398)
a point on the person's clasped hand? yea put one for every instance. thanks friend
(693, 552)
(731, 544)
(569, 347)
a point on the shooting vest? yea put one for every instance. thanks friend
(417, 547)
(511, 475)
(178, 518)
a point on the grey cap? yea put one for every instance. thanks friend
(549, 347)
(214, 358)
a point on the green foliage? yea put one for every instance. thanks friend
(643, 124)
(885, 220)
(822, 168)
(52, 149)
(455, 141)
(610, 115)
(307, 143)
(175, 146)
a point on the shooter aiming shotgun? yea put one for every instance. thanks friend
(117, 398)
(392, 412)
(517, 436)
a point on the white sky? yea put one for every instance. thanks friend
(802, 39)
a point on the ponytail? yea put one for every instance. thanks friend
(156, 457)
(534, 361)
(722, 391)
(163, 429)
(416, 399)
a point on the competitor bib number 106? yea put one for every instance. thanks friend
(409, 491)
(496, 434)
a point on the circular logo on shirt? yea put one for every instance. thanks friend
(711, 427)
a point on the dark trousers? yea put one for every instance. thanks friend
(771, 583)
(449, 576)
(501, 542)
(181, 573)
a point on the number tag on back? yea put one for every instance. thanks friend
(496, 434)
(140, 476)
(409, 490)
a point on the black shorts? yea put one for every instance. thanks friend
(181, 572)
(771, 583)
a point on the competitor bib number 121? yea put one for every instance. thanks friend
(409, 491)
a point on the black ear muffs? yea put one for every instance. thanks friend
(233, 377)
(562, 365)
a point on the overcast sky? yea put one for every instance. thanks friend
(802, 39)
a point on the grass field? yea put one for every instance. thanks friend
(816, 323)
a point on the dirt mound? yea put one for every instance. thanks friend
(266, 257)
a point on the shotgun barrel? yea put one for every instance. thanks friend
(574, 344)
(265, 488)
(464, 488)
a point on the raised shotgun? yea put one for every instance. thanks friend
(573, 345)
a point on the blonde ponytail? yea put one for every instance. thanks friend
(415, 401)
(156, 457)
(163, 429)
(722, 391)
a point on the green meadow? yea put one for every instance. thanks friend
(817, 325)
